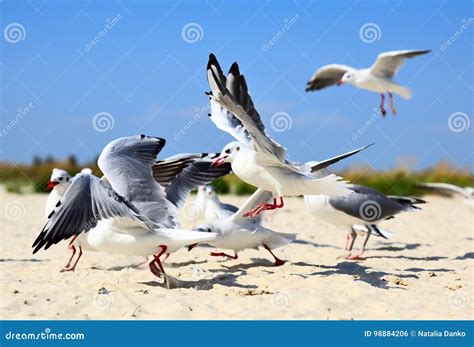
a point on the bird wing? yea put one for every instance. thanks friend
(232, 94)
(327, 76)
(445, 188)
(387, 64)
(182, 173)
(325, 163)
(87, 201)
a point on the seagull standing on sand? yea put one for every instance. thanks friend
(130, 216)
(377, 78)
(361, 211)
(236, 232)
(255, 157)
(215, 209)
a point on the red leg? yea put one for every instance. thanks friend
(264, 207)
(222, 254)
(382, 108)
(73, 248)
(392, 106)
(348, 237)
(72, 268)
(278, 262)
(155, 265)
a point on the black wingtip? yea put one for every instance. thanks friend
(212, 61)
(234, 69)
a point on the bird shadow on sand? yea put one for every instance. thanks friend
(417, 269)
(242, 267)
(24, 260)
(314, 244)
(432, 258)
(227, 280)
(468, 255)
(399, 247)
(360, 273)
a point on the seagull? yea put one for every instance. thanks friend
(447, 189)
(236, 232)
(361, 211)
(215, 209)
(255, 157)
(377, 78)
(127, 211)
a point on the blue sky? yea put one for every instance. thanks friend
(149, 76)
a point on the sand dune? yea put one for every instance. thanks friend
(424, 272)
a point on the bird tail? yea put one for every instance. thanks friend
(276, 239)
(408, 201)
(375, 230)
(404, 92)
(187, 237)
(329, 185)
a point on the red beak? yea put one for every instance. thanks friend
(219, 161)
(50, 185)
(340, 83)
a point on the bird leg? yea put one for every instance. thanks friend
(382, 108)
(155, 265)
(264, 207)
(225, 255)
(392, 106)
(73, 248)
(359, 256)
(278, 262)
(348, 237)
(73, 267)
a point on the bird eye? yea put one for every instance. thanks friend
(60, 178)
(208, 230)
(227, 151)
(238, 148)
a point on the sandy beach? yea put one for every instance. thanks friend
(424, 272)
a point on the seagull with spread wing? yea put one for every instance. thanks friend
(236, 232)
(447, 189)
(255, 157)
(127, 211)
(377, 78)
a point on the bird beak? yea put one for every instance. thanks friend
(219, 161)
(340, 83)
(50, 185)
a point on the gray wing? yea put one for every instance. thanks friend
(325, 163)
(127, 164)
(258, 197)
(445, 189)
(232, 94)
(87, 201)
(327, 76)
(179, 179)
(388, 63)
(368, 204)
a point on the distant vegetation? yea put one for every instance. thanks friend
(33, 178)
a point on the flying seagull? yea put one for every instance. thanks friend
(377, 78)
